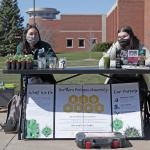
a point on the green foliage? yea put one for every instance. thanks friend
(29, 58)
(33, 130)
(11, 26)
(117, 124)
(131, 132)
(18, 58)
(8, 58)
(101, 47)
(46, 131)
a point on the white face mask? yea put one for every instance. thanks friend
(32, 39)
(127, 37)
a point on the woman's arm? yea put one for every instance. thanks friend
(19, 49)
(112, 50)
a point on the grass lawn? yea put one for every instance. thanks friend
(73, 59)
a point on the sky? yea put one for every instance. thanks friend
(67, 6)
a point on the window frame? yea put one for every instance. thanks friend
(93, 39)
(67, 42)
(79, 42)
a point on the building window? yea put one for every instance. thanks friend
(69, 43)
(81, 43)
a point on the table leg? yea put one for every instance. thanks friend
(22, 111)
(146, 110)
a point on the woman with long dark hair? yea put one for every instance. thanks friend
(31, 44)
(127, 41)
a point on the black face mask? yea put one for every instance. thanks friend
(124, 43)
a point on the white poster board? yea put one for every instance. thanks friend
(97, 112)
(82, 108)
(126, 109)
(39, 111)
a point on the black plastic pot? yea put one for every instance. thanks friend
(29, 65)
(13, 65)
(18, 65)
(8, 65)
(23, 65)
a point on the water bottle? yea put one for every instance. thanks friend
(118, 59)
(62, 63)
(142, 57)
(41, 59)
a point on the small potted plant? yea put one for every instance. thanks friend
(13, 62)
(23, 62)
(8, 61)
(29, 61)
(18, 61)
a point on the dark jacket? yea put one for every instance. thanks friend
(41, 44)
(21, 49)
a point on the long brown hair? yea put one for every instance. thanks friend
(26, 49)
(134, 41)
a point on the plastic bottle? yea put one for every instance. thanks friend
(41, 59)
(141, 59)
(118, 59)
(62, 62)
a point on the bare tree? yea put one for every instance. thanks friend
(91, 41)
(47, 34)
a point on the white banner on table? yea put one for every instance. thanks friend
(126, 109)
(68, 118)
(82, 108)
(97, 112)
(39, 111)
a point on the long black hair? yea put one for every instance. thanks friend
(134, 41)
(26, 49)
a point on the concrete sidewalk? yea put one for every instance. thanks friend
(11, 142)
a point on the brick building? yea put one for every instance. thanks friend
(129, 12)
(147, 24)
(80, 32)
(70, 32)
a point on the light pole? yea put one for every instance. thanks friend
(34, 11)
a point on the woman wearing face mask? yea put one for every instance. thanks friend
(31, 44)
(127, 40)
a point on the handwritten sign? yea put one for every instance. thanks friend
(39, 111)
(126, 109)
(82, 108)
